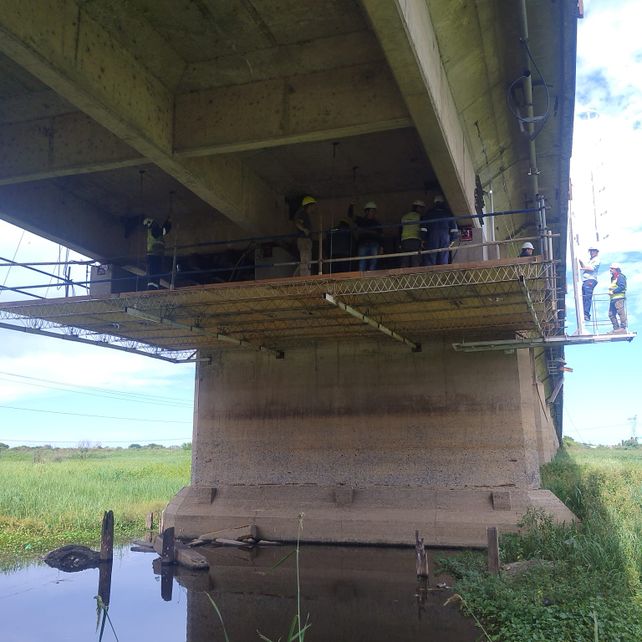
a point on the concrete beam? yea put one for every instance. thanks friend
(65, 48)
(406, 33)
(41, 209)
(315, 107)
(60, 146)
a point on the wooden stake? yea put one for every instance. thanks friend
(149, 521)
(493, 550)
(168, 553)
(420, 553)
(107, 536)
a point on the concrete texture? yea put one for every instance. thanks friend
(368, 439)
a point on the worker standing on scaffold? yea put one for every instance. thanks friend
(617, 292)
(156, 233)
(589, 279)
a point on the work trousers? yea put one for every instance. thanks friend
(411, 245)
(154, 271)
(587, 297)
(618, 308)
(305, 254)
(437, 239)
(368, 249)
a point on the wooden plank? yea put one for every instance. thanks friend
(107, 537)
(493, 550)
(420, 554)
(168, 553)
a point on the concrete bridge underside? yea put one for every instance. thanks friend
(107, 107)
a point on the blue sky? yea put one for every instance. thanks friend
(120, 399)
(603, 391)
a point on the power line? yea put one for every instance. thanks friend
(107, 392)
(101, 441)
(79, 414)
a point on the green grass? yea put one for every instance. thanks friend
(591, 586)
(50, 497)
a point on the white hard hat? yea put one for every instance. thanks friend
(148, 221)
(528, 246)
(370, 205)
(420, 203)
(615, 266)
(439, 198)
(593, 247)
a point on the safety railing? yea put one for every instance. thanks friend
(179, 268)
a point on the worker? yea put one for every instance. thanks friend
(411, 234)
(302, 220)
(442, 230)
(527, 249)
(369, 237)
(589, 279)
(617, 294)
(339, 244)
(156, 233)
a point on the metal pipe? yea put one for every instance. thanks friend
(416, 347)
(219, 336)
(528, 92)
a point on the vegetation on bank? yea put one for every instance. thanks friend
(50, 496)
(587, 581)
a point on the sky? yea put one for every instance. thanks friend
(602, 393)
(60, 393)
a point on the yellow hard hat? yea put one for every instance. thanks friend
(308, 200)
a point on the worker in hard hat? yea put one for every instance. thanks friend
(527, 249)
(589, 272)
(442, 230)
(302, 221)
(617, 294)
(411, 235)
(369, 237)
(156, 233)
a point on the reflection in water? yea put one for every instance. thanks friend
(351, 594)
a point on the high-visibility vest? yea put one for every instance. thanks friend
(617, 281)
(410, 226)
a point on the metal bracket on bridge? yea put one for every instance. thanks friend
(416, 347)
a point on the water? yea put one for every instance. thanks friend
(351, 594)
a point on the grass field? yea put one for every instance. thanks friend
(589, 586)
(50, 497)
(589, 583)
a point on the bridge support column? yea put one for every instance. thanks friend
(369, 440)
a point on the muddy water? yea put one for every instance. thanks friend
(349, 594)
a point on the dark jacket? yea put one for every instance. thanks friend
(368, 229)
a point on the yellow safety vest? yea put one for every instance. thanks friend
(411, 228)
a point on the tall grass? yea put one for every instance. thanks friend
(50, 497)
(589, 584)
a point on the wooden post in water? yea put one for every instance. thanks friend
(107, 537)
(149, 527)
(168, 553)
(493, 550)
(420, 553)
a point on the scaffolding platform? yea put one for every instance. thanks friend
(501, 297)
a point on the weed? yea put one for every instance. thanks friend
(590, 588)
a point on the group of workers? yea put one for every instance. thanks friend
(617, 290)
(420, 229)
(432, 230)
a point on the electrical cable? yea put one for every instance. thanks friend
(537, 121)
(80, 414)
(124, 393)
(104, 396)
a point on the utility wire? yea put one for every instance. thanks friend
(125, 395)
(79, 414)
